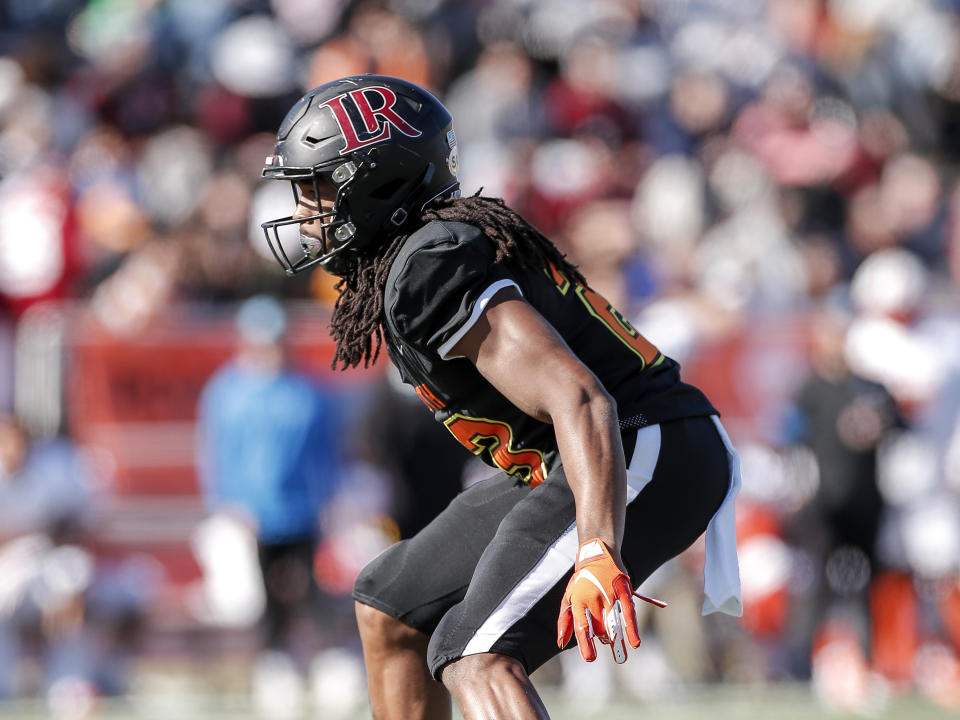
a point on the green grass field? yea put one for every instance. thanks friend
(792, 702)
(200, 687)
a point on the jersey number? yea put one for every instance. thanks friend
(611, 318)
(495, 438)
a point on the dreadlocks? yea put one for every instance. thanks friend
(358, 314)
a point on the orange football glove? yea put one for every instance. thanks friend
(598, 603)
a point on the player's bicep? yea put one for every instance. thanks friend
(523, 356)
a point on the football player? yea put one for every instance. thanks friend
(607, 464)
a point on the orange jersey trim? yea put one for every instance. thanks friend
(428, 398)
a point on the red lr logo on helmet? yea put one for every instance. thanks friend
(370, 118)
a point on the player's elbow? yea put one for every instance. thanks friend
(603, 408)
(586, 397)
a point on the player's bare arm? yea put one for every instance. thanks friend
(522, 356)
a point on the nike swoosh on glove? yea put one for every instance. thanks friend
(598, 603)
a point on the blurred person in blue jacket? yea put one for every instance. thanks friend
(267, 454)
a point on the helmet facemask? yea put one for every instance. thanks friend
(336, 232)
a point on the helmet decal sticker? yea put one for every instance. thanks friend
(366, 116)
(453, 157)
(453, 161)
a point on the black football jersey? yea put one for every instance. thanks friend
(436, 289)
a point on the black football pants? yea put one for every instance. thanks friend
(488, 574)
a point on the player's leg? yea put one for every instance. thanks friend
(490, 685)
(477, 650)
(395, 655)
(404, 592)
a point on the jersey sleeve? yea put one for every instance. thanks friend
(442, 288)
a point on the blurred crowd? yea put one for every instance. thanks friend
(728, 173)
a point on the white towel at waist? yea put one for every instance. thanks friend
(721, 571)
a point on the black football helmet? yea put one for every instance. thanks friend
(388, 148)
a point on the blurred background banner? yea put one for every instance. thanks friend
(137, 396)
(768, 189)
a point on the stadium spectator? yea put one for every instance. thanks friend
(423, 461)
(841, 418)
(268, 456)
(52, 605)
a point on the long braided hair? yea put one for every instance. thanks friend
(357, 323)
